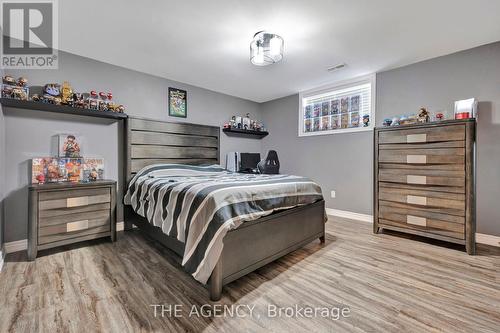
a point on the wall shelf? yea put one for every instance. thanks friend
(40, 106)
(245, 133)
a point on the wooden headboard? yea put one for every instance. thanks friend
(152, 141)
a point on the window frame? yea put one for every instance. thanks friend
(371, 79)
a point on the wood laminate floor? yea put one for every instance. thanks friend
(388, 283)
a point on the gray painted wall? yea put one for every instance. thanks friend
(28, 134)
(436, 84)
(340, 162)
(343, 162)
(2, 174)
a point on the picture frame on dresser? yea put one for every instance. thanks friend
(424, 180)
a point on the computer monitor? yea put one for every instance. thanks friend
(249, 161)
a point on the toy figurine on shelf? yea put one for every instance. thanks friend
(66, 93)
(423, 115)
(103, 104)
(7, 79)
(120, 108)
(22, 82)
(366, 120)
(78, 100)
(19, 93)
(35, 98)
(92, 101)
(439, 116)
(13, 89)
(51, 93)
(387, 122)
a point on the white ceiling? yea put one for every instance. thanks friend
(206, 43)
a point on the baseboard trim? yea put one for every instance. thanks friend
(349, 215)
(16, 246)
(488, 239)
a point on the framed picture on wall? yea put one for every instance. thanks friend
(177, 102)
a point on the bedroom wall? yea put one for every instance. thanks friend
(28, 133)
(2, 174)
(340, 162)
(343, 162)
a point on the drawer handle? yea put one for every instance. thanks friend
(416, 200)
(416, 220)
(411, 179)
(78, 201)
(77, 225)
(413, 138)
(416, 159)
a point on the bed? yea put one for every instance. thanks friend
(220, 225)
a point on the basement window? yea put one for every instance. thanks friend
(345, 107)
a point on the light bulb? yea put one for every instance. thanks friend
(275, 46)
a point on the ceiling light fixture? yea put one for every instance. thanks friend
(266, 49)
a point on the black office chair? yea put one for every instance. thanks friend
(271, 165)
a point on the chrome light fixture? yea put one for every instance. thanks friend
(266, 49)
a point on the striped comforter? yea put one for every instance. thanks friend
(198, 205)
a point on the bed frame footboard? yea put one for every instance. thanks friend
(257, 243)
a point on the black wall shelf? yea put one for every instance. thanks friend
(39, 106)
(245, 133)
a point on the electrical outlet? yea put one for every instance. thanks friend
(332, 194)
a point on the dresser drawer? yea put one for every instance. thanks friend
(424, 198)
(73, 198)
(423, 156)
(424, 177)
(424, 220)
(423, 135)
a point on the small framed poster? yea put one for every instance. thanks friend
(177, 102)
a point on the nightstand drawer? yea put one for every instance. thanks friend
(72, 230)
(54, 220)
(73, 198)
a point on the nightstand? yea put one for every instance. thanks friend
(66, 213)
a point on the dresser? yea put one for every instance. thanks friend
(66, 213)
(424, 180)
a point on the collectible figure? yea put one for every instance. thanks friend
(120, 109)
(35, 98)
(395, 121)
(7, 79)
(22, 82)
(67, 93)
(53, 172)
(71, 148)
(439, 116)
(423, 116)
(92, 101)
(78, 100)
(103, 104)
(7, 91)
(51, 92)
(19, 93)
(11, 89)
(366, 120)
(40, 178)
(387, 122)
